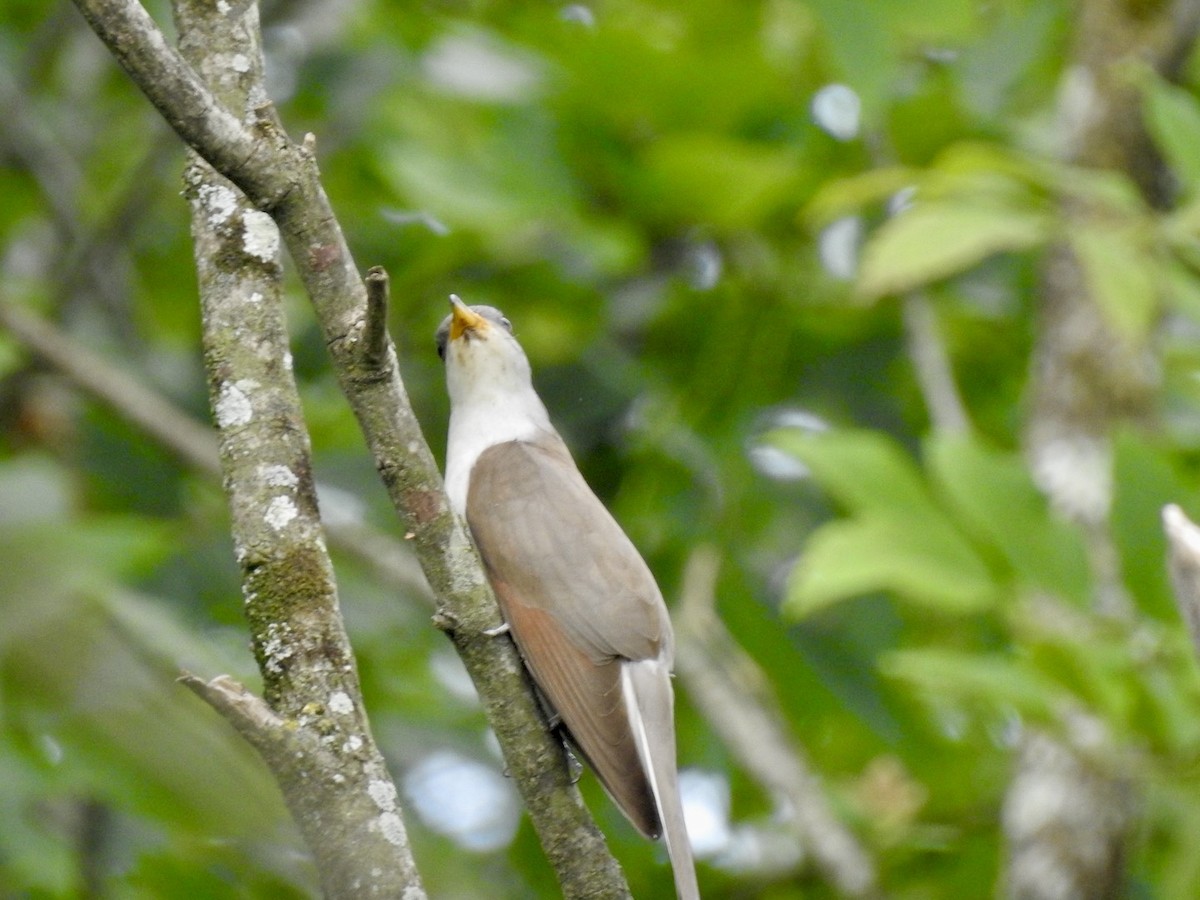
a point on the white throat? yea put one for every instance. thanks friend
(492, 401)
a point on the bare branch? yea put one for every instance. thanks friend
(737, 701)
(178, 93)
(194, 444)
(1183, 562)
(282, 178)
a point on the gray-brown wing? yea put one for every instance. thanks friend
(579, 600)
(539, 523)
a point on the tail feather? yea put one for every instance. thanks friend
(651, 703)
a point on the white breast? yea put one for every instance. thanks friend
(482, 421)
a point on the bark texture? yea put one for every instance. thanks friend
(280, 179)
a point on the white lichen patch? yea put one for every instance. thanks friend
(260, 237)
(240, 63)
(255, 298)
(233, 406)
(218, 201)
(276, 649)
(278, 476)
(340, 703)
(392, 829)
(353, 744)
(280, 511)
(383, 793)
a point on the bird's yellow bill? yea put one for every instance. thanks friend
(464, 318)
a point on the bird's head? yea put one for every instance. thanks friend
(480, 352)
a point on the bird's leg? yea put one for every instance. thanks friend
(574, 766)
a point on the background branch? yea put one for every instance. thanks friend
(195, 444)
(737, 701)
(1183, 563)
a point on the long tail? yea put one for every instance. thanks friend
(651, 701)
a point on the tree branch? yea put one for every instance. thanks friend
(282, 178)
(312, 730)
(733, 693)
(194, 444)
(1183, 562)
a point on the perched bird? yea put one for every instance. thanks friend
(581, 604)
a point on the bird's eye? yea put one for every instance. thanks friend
(507, 324)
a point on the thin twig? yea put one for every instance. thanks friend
(932, 365)
(375, 334)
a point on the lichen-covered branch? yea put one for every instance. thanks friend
(281, 178)
(312, 728)
(1087, 377)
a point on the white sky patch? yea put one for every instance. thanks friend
(705, 798)
(837, 109)
(463, 799)
(472, 66)
(260, 237)
(447, 667)
(280, 511)
(838, 246)
(233, 406)
(340, 703)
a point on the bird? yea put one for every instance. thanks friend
(578, 599)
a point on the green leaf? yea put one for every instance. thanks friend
(1120, 272)
(725, 182)
(1173, 118)
(844, 196)
(992, 493)
(923, 559)
(935, 240)
(1181, 289)
(992, 679)
(862, 470)
(1146, 477)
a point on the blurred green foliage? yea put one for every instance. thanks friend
(646, 191)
